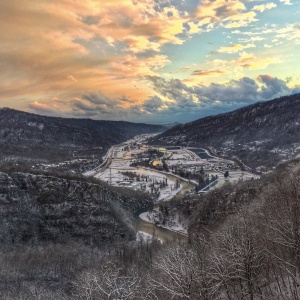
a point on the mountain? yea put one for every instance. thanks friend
(29, 135)
(261, 134)
(170, 125)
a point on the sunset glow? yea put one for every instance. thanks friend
(154, 61)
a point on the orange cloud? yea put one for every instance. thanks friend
(93, 44)
(208, 72)
(63, 49)
(228, 13)
(252, 62)
(72, 78)
(229, 69)
(134, 21)
(219, 9)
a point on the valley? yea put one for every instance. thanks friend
(164, 174)
(150, 150)
(83, 202)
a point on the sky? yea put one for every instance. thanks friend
(154, 61)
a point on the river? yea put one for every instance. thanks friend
(142, 225)
(163, 234)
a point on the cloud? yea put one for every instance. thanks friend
(286, 2)
(252, 62)
(235, 48)
(174, 90)
(229, 13)
(131, 66)
(272, 87)
(70, 47)
(256, 38)
(290, 33)
(72, 78)
(174, 100)
(242, 20)
(244, 90)
(230, 69)
(90, 20)
(98, 105)
(100, 99)
(96, 57)
(208, 72)
(264, 7)
(216, 10)
(152, 105)
(137, 22)
(40, 107)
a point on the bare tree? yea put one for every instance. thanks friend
(236, 261)
(201, 247)
(282, 223)
(175, 272)
(110, 283)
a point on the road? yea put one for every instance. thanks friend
(107, 161)
(119, 160)
(162, 233)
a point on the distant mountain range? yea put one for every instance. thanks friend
(170, 125)
(262, 133)
(23, 133)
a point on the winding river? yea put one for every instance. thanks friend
(163, 234)
(142, 225)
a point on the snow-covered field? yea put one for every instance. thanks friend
(148, 180)
(162, 185)
(120, 173)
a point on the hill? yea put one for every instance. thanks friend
(260, 134)
(34, 136)
(37, 208)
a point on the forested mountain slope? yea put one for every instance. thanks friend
(243, 242)
(31, 135)
(270, 130)
(36, 208)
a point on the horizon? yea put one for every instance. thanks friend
(153, 123)
(150, 61)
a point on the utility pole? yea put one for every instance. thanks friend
(109, 176)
